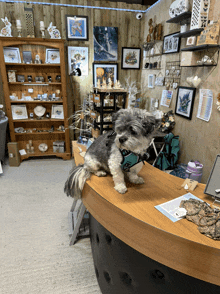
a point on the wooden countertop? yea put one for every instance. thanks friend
(133, 218)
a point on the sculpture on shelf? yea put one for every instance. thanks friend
(104, 84)
(109, 86)
(132, 92)
(98, 84)
(6, 31)
(54, 32)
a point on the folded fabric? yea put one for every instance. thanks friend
(206, 218)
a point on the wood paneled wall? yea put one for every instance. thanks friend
(130, 32)
(199, 140)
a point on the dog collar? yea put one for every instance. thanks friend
(129, 159)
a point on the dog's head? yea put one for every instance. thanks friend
(135, 129)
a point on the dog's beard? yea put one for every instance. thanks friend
(136, 145)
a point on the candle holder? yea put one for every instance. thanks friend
(42, 32)
(19, 29)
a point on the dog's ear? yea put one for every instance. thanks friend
(116, 115)
(150, 124)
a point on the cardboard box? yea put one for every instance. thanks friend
(189, 58)
(13, 152)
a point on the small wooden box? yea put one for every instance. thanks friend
(14, 156)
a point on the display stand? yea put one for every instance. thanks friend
(41, 76)
(108, 109)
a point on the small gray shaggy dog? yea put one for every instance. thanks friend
(119, 152)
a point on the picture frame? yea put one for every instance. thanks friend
(184, 101)
(27, 57)
(57, 112)
(104, 71)
(77, 27)
(151, 81)
(19, 112)
(78, 57)
(52, 56)
(12, 55)
(105, 40)
(171, 44)
(131, 58)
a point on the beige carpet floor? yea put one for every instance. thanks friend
(35, 256)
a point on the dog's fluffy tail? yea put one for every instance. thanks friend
(76, 181)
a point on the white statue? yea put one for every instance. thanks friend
(6, 31)
(98, 84)
(109, 83)
(104, 84)
(54, 33)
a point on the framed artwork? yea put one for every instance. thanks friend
(52, 56)
(171, 44)
(78, 58)
(12, 55)
(19, 112)
(151, 81)
(131, 58)
(184, 101)
(27, 57)
(103, 71)
(105, 43)
(57, 112)
(77, 28)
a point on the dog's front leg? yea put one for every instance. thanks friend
(117, 173)
(132, 175)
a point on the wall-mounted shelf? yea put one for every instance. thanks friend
(190, 33)
(181, 17)
(203, 65)
(200, 47)
(152, 68)
(155, 55)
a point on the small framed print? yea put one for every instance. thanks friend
(131, 58)
(20, 78)
(103, 71)
(77, 28)
(151, 81)
(96, 98)
(52, 56)
(27, 57)
(191, 41)
(171, 44)
(12, 55)
(57, 112)
(19, 112)
(184, 101)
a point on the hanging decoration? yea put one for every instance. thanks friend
(200, 11)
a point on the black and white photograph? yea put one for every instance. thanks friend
(171, 44)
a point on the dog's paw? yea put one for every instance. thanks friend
(100, 173)
(138, 180)
(121, 188)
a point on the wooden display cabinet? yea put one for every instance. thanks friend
(37, 130)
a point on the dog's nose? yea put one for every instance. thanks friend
(122, 139)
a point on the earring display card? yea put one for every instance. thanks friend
(213, 185)
(200, 11)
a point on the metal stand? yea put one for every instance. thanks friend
(77, 222)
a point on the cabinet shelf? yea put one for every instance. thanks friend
(190, 33)
(200, 47)
(33, 64)
(33, 84)
(38, 120)
(47, 153)
(36, 102)
(41, 133)
(181, 17)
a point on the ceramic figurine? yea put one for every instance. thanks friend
(104, 84)
(54, 32)
(98, 84)
(6, 31)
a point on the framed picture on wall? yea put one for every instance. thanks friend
(103, 72)
(78, 59)
(77, 28)
(184, 101)
(131, 58)
(171, 44)
(105, 43)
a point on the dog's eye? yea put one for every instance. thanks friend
(133, 132)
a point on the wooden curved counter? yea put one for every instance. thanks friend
(133, 218)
